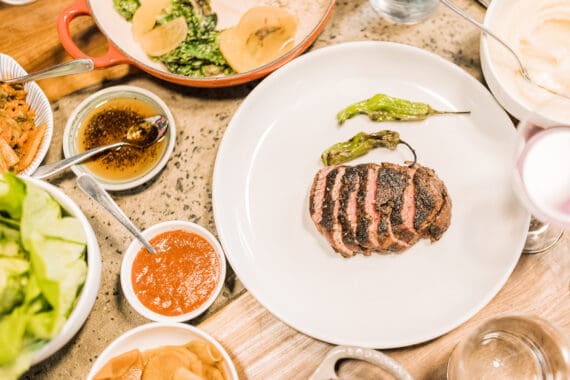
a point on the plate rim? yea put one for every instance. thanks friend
(268, 81)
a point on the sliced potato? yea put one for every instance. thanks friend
(146, 15)
(3, 166)
(8, 153)
(125, 366)
(262, 35)
(185, 374)
(165, 37)
(205, 351)
(163, 365)
(31, 147)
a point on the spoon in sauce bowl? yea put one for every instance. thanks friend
(93, 189)
(142, 135)
(522, 69)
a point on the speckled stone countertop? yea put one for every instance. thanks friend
(183, 189)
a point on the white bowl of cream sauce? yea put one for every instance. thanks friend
(539, 31)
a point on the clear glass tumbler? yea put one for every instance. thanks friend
(405, 11)
(512, 347)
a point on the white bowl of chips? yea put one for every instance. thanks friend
(206, 355)
(23, 149)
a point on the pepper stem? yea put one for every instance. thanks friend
(413, 153)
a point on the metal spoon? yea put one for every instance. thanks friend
(142, 135)
(94, 190)
(522, 69)
(81, 65)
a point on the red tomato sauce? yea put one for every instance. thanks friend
(180, 277)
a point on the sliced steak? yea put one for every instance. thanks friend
(442, 220)
(347, 214)
(382, 208)
(391, 183)
(329, 224)
(317, 195)
(428, 199)
(403, 208)
(368, 217)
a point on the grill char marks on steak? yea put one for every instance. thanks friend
(433, 204)
(383, 208)
(329, 224)
(317, 196)
(392, 181)
(367, 215)
(403, 210)
(347, 214)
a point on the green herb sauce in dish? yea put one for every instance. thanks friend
(42, 270)
(199, 55)
(127, 8)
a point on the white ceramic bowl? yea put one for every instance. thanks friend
(100, 97)
(505, 94)
(90, 288)
(136, 246)
(38, 101)
(17, 2)
(154, 335)
(311, 16)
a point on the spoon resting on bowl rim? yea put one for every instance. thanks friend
(93, 189)
(144, 134)
(522, 68)
(77, 66)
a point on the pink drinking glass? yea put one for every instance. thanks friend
(542, 180)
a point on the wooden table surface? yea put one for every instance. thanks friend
(262, 346)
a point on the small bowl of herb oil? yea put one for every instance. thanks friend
(104, 118)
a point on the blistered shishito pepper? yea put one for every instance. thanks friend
(362, 143)
(383, 107)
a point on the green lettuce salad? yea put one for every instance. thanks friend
(199, 55)
(42, 270)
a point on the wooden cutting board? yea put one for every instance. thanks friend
(263, 347)
(33, 42)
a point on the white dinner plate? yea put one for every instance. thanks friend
(271, 152)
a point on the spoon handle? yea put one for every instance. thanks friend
(51, 169)
(487, 31)
(485, 3)
(94, 190)
(76, 66)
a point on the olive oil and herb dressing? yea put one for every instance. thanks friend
(107, 124)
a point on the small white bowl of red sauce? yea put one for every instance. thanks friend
(180, 281)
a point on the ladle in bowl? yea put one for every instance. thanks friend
(141, 135)
(522, 69)
(93, 189)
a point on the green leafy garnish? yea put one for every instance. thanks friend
(199, 55)
(127, 8)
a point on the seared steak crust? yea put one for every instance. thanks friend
(392, 180)
(318, 194)
(328, 202)
(347, 212)
(364, 210)
(428, 198)
(383, 208)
